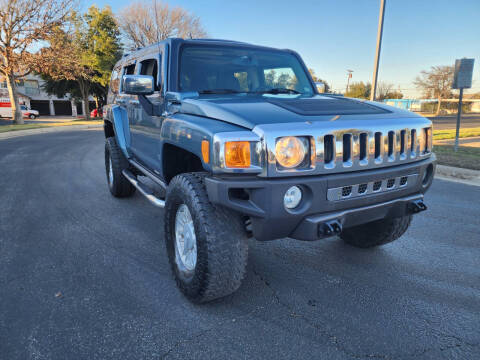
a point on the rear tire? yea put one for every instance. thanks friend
(115, 163)
(376, 233)
(220, 237)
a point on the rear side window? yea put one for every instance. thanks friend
(150, 67)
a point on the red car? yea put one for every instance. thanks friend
(96, 113)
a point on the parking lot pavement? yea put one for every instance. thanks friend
(85, 276)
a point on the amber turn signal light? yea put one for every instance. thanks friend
(206, 151)
(237, 154)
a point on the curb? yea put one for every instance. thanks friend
(465, 176)
(18, 133)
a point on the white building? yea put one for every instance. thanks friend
(32, 95)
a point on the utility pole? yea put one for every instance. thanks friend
(379, 45)
(349, 76)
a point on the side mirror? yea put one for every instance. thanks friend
(138, 84)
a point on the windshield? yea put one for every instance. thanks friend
(216, 70)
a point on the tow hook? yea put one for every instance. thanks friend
(329, 228)
(417, 206)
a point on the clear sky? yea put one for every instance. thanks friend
(335, 35)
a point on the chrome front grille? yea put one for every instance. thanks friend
(344, 150)
(342, 146)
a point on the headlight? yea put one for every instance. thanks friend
(290, 151)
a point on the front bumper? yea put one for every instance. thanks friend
(262, 199)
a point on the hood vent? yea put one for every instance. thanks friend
(334, 106)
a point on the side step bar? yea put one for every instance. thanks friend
(144, 190)
(148, 173)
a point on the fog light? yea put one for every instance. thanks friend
(292, 197)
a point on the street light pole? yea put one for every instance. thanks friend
(349, 75)
(379, 45)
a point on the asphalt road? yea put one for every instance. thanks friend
(450, 121)
(85, 276)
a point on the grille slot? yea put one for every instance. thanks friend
(328, 148)
(413, 140)
(403, 134)
(377, 185)
(378, 144)
(362, 188)
(347, 147)
(363, 146)
(390, 183)
(403, 180)
(391, 143)
(346, 191)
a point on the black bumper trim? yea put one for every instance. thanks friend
(262, 198)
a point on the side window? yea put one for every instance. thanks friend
(150, 67)
(129, 70)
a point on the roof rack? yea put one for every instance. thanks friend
(220, 40)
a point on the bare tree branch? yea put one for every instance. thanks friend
(145, 23)
(436, 83)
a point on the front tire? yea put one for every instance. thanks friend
(214, 236)
(376, 233)
(31, 116)
(115, 163)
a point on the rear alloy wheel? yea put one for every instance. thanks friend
(206, 244)
(115, 163)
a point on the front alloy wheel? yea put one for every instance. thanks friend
(206, 244)
(185, 241)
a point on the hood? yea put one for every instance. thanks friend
(248, 110)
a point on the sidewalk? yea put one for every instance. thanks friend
(48, 129)
(43, 120)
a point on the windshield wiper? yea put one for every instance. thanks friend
(220, 91)
(280, 91)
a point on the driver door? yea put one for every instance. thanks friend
(145, 129)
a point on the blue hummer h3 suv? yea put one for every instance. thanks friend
(234, 141)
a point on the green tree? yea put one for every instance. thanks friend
(82, 58)
(359, 90)
(104, 48)
(394, 94)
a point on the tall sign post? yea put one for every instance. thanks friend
(462, 79)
